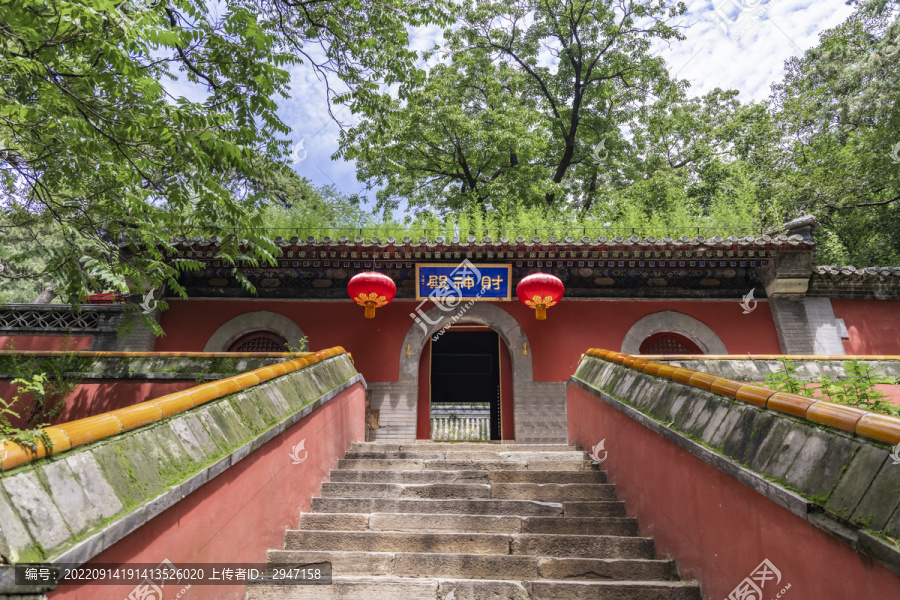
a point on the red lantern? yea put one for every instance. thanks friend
(540, 291)
(372, 290)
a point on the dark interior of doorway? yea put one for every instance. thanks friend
(465, 367)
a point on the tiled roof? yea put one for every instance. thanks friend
(602, 241)
(854, 272)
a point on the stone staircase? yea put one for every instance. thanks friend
(472, 521)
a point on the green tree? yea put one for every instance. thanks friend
(23, 280)
(95, 146)
(512, 116)
(838, 109)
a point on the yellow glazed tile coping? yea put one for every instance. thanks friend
(754, 394)
(246, 380)
(90, 429)
(227, 386)
(702, 380)
(792, 404)
(264, 374)
(726, 387)
(683, 375)
(16, 455)
(87, 430)
(137, 415)
(278, 369)
(639, 364)
(881, 427)
(666, 371)
(885, 428)
(204, 393)
(836, 415)
(173, 403)
(769, 356)
(297, 363)
(652, 367)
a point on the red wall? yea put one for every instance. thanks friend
(243, 512)
(873, 325)
(46, 342)
(716, 528)
(557, 343)
(100, 395)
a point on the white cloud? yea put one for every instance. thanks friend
(766, 35)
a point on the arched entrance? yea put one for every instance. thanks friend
(419, 340)
(466, 389)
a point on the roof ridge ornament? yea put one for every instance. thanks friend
(803, 226)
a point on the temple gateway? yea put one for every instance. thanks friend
(478, 364)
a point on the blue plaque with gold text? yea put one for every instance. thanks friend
(463, 281)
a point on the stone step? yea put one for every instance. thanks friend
(510, 476)
(469, 455)
(478, 566)
(410, 490)
(380, 464)
(502, 465)
(468, 521)
(394, 588)
(531, 544)
(549, 492)
(594, 509)
(457, 446)
(398, 455)
(618, 526)
(412, 522)
(555, 492)
(401, 464)
(421, 476)
(455, 507)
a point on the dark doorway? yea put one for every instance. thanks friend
(465, 370)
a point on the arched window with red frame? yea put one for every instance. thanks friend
(667, 342)
(259, 341)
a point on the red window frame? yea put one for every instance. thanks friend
(668, 342)
(254, 336)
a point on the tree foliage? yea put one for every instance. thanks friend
(98, 146)
(562, 104)
(528, 89)
(838, 113)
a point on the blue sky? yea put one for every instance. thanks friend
(731, 44)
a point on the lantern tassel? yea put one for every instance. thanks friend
(541, 313)
(370, 310)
